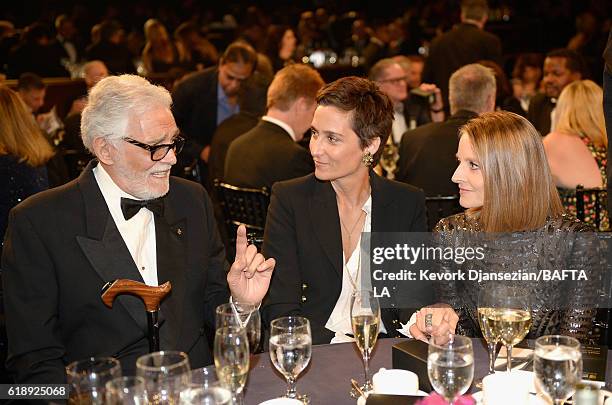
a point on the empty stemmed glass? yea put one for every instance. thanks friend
(557, 367)
(290, 350)
(231, 351)
(87, 379)
(365, 319)
(241, 315)
(165, 374)
(450, 366)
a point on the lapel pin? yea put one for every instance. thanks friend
(179, 231)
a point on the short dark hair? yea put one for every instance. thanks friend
(28, 81)
(371, 111)
(474, 9)
(573, 60)
(240, 52)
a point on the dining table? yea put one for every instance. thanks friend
(327, 379)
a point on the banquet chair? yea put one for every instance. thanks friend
(243, 206)
(441, 206)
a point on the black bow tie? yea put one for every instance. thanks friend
(131, 207)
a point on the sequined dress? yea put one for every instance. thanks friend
(18, 180)
(568, 196)
(562, 243)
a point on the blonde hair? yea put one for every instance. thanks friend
(19, 134)
(580, 111)
(292, 82)
(519, 192)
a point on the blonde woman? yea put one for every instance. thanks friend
(505, 186)
(576, 148)
(159, 54)
(23, 154)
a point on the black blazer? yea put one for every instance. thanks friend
(540, 108)
(264, 155)
(303, 235)
(194, 106)
(427, 155)
(465, 43)
(62, 246)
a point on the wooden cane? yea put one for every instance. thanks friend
(150, 295)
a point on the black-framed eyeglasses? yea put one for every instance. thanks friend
(158, 152)
(395, 80)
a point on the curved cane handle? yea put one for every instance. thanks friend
(150, 295)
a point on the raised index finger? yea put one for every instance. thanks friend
(241, 242)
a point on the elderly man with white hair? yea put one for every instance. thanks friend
(125, 217)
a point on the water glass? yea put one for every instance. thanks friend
(87, 379)
(231, 352)
(291, 350)
(241, 315)
(126, 391)
(165, 374)
(450, 367)
(557, 366)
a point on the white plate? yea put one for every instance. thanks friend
(362, 400)
(282, 401)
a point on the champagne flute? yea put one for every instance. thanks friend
(486, 302)
(365, 319)
(231, 351)
(87, 379)
(205, 388)
(165, 374)
(509, 317)
(290, 350)
(126, 391)
(557, 366)
(241, 315)
(450, 366)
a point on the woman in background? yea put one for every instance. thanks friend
(159, 54)
(23, 154)
(281, 43)
(577, 147)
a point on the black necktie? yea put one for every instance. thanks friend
(131, 207)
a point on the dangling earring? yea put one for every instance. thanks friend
(367, 159)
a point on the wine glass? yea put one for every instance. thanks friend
(231, 351)
(450, 366)
(486, 303)
(557, 366)
(126, 391)
(365, 319)
(87, 379)
(205, 388)
(290, 350)
(165, 374)
(241, 315)
(509, 316)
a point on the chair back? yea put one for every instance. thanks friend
(243, 206)
(441, 206)
(594, 200)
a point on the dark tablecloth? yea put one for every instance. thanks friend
(327, 378)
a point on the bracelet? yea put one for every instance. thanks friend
(436, 111)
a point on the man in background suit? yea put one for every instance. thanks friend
(202, 100)
(64, 244)
(427, 154)
(269, 152)
(465, 43)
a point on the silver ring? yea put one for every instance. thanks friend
(428, 320)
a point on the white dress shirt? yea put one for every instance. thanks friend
(340, 319)
(138, 232)
(281, 124)
(399, 127)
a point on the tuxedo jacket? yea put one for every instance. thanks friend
(427, 155)
(62, 246)
(264, 155)
(540, 108)
(303, 234)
